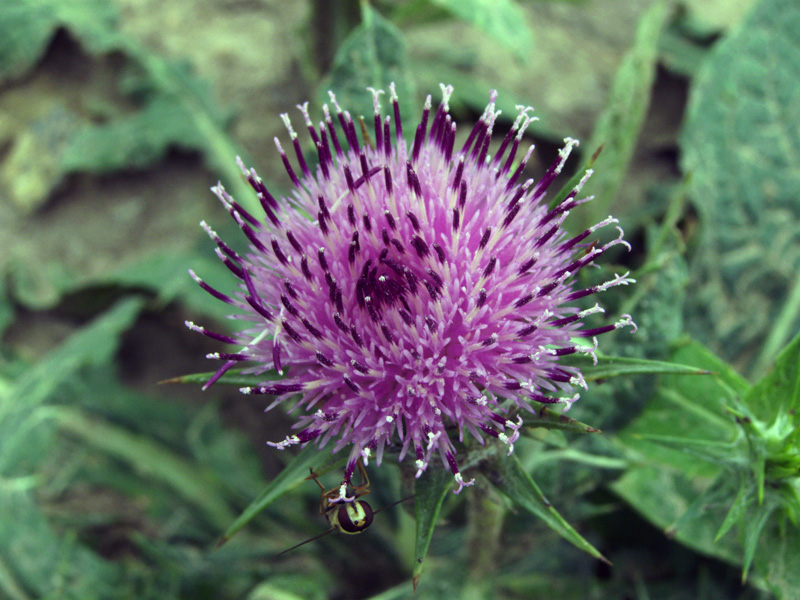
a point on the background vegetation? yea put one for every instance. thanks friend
(116, 116)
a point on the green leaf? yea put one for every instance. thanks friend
(778, 393)
(691, 416)
(431, 490)
(618, 127)
(663, 496)
(6, 308)
(508, 476)
(26, 27)
(293, 474)
(36, 562)
(709, 16)
(739, 144)
(94, 344)
(504, 20)
(548, 418)
(133, 141)
(753, 527)
(24, 437)
(615, 366)
(165, 272)
(736, 512)
(373, 55)
(147, 457)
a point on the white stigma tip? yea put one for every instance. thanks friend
(288, 124)
(626, 321)
(333, 100)
(376, 102)
(461, 483)
(447, 91)
(303, 108)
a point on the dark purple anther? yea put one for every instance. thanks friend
(413, 219)
(293, 241)
(490, 267)
(311, 329)
(304, 267)
(276, 248)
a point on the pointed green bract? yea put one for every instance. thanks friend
(747, 437)
(548, 418)
(293, 474)
(510, 479)
(615, 366)
(431, 490)
(232, 377)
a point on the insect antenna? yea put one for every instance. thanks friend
(311, 539)
(394, 504)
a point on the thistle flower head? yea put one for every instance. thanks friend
(410, 292)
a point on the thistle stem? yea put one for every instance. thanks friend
(485, 514)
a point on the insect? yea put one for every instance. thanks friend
(346, 514)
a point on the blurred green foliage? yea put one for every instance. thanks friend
(117, 115)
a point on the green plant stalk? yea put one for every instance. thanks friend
(485, 514)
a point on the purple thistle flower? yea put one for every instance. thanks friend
(410, 291)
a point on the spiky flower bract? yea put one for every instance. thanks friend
(412, 292)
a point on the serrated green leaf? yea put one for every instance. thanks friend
(617, 129)
(510, 479)
(373, 55)
(742, 129)
(725, 377)
(691, 416)
(504, 20)
(292, 475)
(431, 490)
(26, 27)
